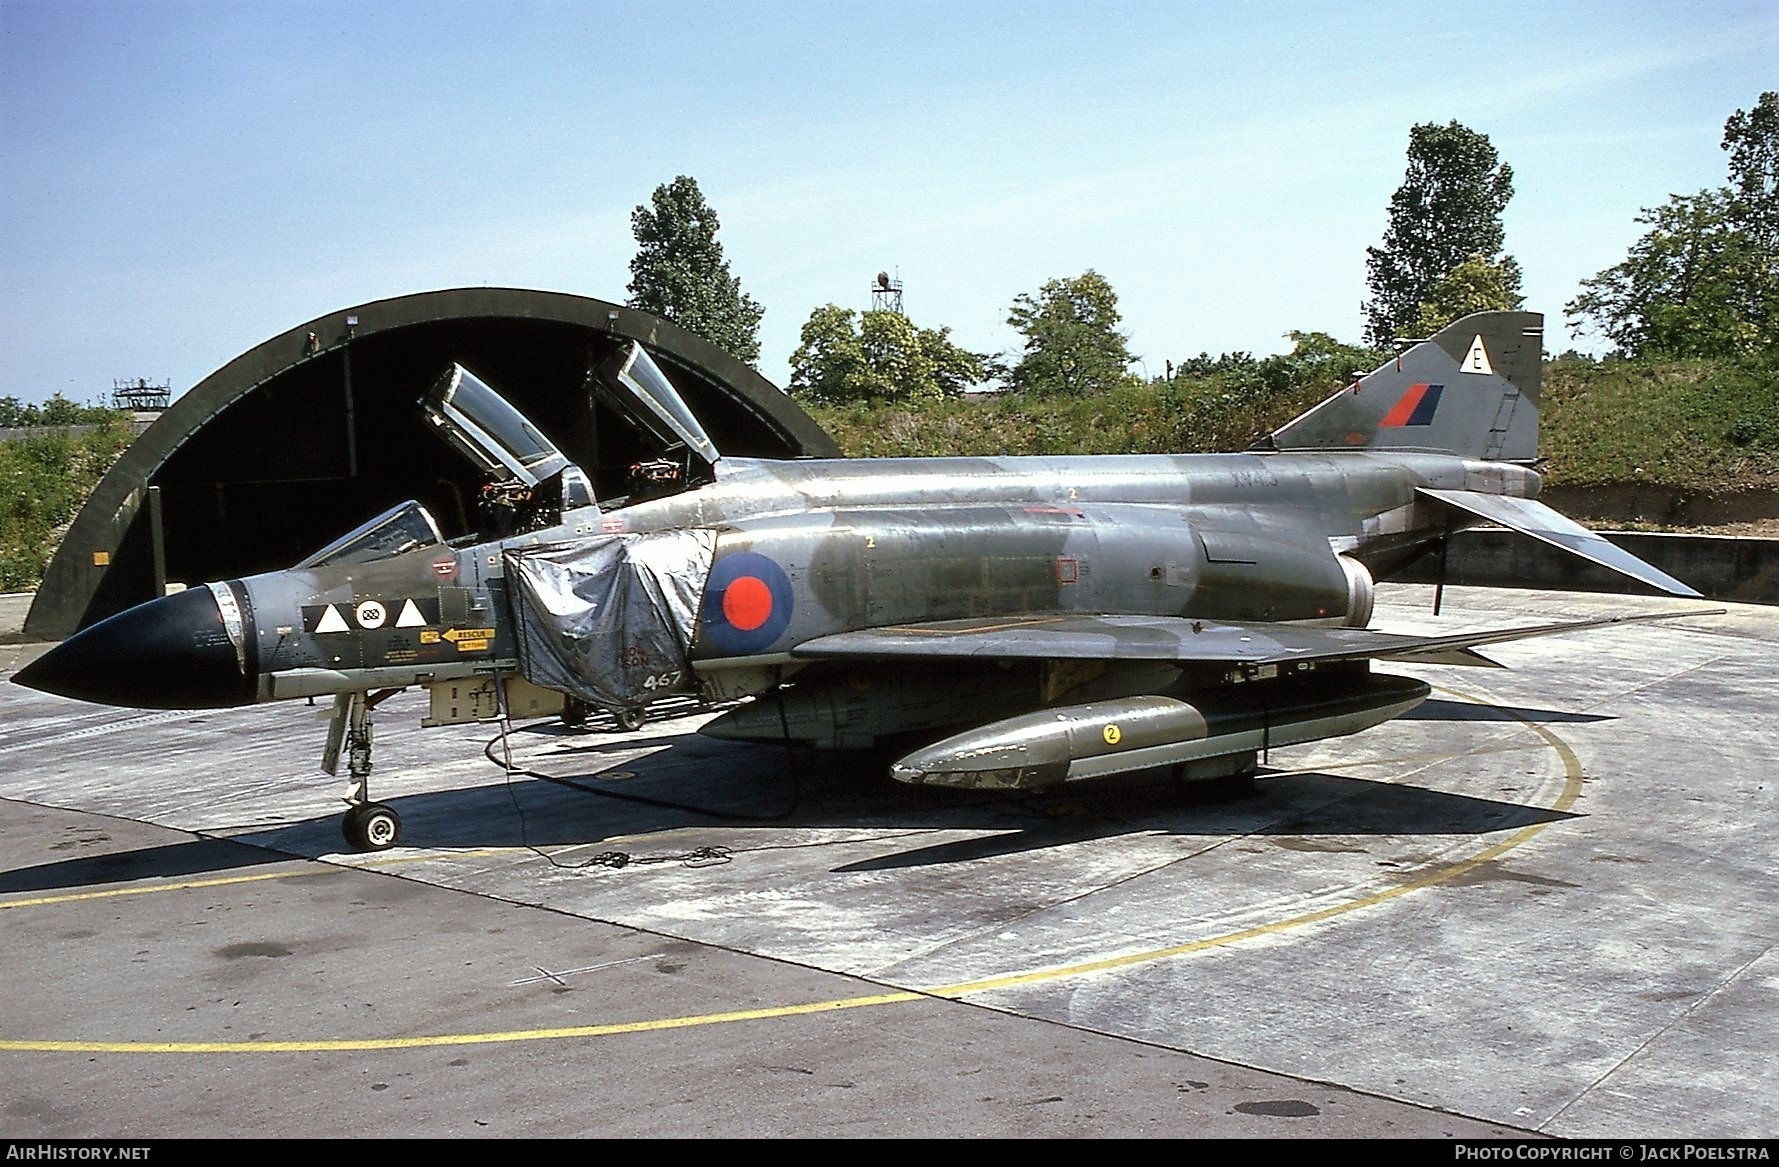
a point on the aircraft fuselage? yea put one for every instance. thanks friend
(828, 546)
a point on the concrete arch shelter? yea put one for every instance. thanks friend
(309, 433)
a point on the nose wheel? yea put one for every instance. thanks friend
(371, 827)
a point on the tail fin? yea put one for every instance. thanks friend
(1470, 390)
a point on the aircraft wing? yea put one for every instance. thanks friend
(1176, 639)
(1531, 517)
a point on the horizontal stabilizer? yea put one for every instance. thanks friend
(1175, 639)
(1531, 517)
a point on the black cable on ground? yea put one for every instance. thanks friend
(698, 857)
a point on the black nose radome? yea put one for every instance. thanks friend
(170, 653)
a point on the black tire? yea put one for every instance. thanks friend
(574, 712)
(380, 826)
(352, 827)
(630, 719)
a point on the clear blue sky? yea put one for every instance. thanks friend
(182, 180)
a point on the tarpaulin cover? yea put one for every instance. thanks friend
(609, 619)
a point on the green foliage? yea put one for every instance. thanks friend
(1072, 342)
(1478, 284)
(1446, 212)
(1694, 425)
(1209, 404)
(1693, 286)
(1752, 138)
(679, 271)
(1231, 402)
(44, 479)
(884, 357)
(1703, 281)
(1705, 426)
(58, 410)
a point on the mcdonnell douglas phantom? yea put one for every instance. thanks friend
(1022, 622)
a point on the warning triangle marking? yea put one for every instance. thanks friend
(410, 616)
(1477, 359)
(331, 621)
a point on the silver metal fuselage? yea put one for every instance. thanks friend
(869, 543)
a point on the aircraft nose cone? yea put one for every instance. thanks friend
(170, 653)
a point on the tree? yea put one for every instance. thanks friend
(1478, 284)
(1072, 342)
(57, 411)
(679, 271)
(884, 357)
(1691, 286)
(1752, 138)
(1703, 281)
(1447, 211)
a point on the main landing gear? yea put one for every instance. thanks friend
(367, 825)
(574, 715)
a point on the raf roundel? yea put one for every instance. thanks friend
(747, 603)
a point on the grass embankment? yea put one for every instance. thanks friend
(44, 479)
(1697, 427)
(1688, 428)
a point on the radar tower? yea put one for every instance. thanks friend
(886, 294)
(139, 395)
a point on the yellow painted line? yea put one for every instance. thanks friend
(385, 1043)
(321, 867)
(159, 887)
(1572, 780)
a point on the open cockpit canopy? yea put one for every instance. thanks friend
(489, 430)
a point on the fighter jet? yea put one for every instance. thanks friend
(1015, 622)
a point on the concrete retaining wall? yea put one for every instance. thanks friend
(13, 606)
(1724, 567)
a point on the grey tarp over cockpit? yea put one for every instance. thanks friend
(610, 619)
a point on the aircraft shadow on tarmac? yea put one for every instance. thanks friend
(1440, 709)
(168, 861)
(685, 784)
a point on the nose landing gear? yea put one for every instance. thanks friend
(367, 825)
